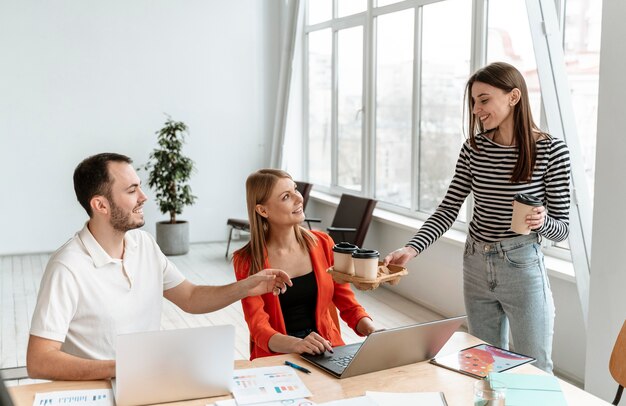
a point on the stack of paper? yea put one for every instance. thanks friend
(392, 399)
(90, 397)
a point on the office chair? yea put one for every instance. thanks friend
(617, 363)
(352, 219)
(244, 224)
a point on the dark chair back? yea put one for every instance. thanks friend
(244, 224)
(305, 190)
(352, 219)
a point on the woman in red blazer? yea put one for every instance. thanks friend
(303, 318)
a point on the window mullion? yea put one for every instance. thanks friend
(334, 109)
(415, 125)
(369, 105)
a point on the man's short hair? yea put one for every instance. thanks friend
(91, 177)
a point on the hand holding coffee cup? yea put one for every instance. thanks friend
(528, 213)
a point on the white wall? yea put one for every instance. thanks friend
(81, 77)
(607, 308)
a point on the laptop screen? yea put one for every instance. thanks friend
(5, 398)
(171, 365)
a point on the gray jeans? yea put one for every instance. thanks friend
(505, 283)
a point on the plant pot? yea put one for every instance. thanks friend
(173, 238)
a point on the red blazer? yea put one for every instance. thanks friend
(265, 317)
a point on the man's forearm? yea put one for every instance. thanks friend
(60, 366)
(206, 299)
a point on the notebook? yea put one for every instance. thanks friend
(170, 365)
(536, 390)
(386, 349)
(478, 361)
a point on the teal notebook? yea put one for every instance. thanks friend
(536, 390)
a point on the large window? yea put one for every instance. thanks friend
(445, 68)
(394, 107)
(350, 108)
(319, 116)
(581, 43)
(385, 88)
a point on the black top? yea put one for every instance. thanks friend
(298, 304)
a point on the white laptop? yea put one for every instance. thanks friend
(386, 349)
(170, 365)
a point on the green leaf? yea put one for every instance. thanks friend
(169, 170)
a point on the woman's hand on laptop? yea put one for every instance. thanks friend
(365, 326)
(312, 344)
(266, 281)
(400, 256)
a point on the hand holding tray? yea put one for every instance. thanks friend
(390, 274)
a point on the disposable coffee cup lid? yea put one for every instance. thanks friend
(345, 248)
(527, 199)
(361, 253)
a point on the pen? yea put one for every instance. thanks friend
(298, 367)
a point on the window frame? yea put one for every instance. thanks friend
(367, 19)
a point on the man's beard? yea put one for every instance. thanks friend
(122, 221)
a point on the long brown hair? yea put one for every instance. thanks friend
(259, 186)
(506, 77)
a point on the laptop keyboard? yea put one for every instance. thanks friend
(342, 361)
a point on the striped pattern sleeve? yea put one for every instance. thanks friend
(448, 210)
(486, 172)
(557, 193)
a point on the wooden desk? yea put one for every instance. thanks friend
(420, 377)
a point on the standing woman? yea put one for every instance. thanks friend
(504, 277)
(304, 318)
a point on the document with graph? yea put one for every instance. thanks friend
(256, 385)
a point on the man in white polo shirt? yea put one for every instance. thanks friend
(110, 279)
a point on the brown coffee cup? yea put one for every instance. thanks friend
(342, 254)
(523, 205)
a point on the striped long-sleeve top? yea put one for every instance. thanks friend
(486, 173)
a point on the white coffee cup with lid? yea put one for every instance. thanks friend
(366, 263)
(342, 254)
(523, 205)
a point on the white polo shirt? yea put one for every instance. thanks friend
(87, 298)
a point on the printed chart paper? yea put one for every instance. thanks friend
(90, 397)
(267, 384)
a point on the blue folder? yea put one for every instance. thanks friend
(536, 390)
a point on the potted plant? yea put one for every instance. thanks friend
(168, 174)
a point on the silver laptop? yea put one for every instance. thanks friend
(386, 349)
(169, 365)
(5, 398)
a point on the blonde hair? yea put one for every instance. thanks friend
(506, 77)
(259, 186)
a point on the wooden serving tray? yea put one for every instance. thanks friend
(390, 274)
